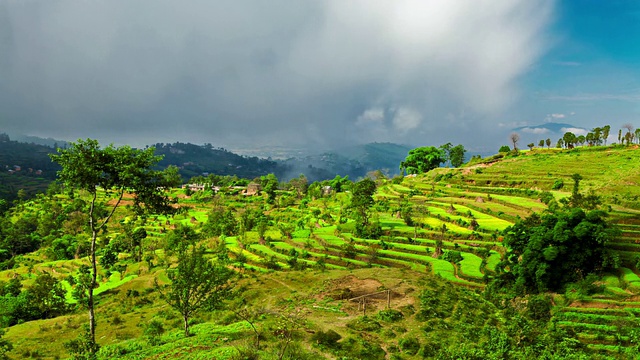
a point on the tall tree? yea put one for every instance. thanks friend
(197, 283)
(362, 199)
(514, 137)
(605, 133)
(456, 155)
(88, 167)
(422, 159)
(548, 142)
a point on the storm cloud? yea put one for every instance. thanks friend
(316, 73)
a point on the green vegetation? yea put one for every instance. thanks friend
(482, 261)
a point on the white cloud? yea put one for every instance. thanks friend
(536, 131)
(373, 116)
(576, 131)
(558, 116)
(253, 70)
(406, 119)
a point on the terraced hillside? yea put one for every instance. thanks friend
(447, 223)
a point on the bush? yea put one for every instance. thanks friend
(390, 315)
(364, 323)
(327, 338)
(409, 345)
(452, 256)
(546, 197)
(504, 149)
(558, 184)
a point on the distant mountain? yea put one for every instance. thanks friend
(355, 161)
(38, 140)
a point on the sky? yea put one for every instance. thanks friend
(315, 74)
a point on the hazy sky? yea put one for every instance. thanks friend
(315, 73)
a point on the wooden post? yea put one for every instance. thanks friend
(388, 299)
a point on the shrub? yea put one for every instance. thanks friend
(390, 315)
(364, 323)
(558, 184)
(409, 345)
(452, 256)
(504, 149)
(327, 338)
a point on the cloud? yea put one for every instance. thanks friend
(576, 131)
(536, 131)
(630, 97)
(558, 116)
(225, 72)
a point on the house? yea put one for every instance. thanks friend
(253, 189)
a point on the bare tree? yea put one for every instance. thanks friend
(514, 137)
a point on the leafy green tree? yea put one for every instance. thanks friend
(197, 283)
(504, 149)
(362, 198)
(530, 146)
(221, 221)
(569, 139)
(541, 143)
(548, 142)
(338, 184)
(88, 167)
(270, 185)
(605, 133)
(456, 155)
(48, 296)
(423, 159)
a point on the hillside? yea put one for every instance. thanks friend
(313, 289)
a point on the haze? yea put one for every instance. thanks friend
(316, 74)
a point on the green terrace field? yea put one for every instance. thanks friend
(309, 250)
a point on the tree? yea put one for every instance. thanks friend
(423, 159)
(514, 137)
(563, 245)
(47, 296)
(197, 283)
(456, 155)
(541, 143)
(531, 145)
(569, 139)
(629, 135)
(548, 142)
(270, 184)
(605, 133)
(362, 198)
(549, 251)
(504, 149)
(446, 151)
(88, 167)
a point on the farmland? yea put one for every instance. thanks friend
(440, 244)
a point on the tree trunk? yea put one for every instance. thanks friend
(186, 325)
(94, 273)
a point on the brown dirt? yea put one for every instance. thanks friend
(352, 287)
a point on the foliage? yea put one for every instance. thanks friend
(197, 283)
(327, 338)
(423, 159)
(504, 149)
(84, 346)
(549, 251)
(361, 200)
(88, 167)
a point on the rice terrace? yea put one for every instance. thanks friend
(438, 264)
